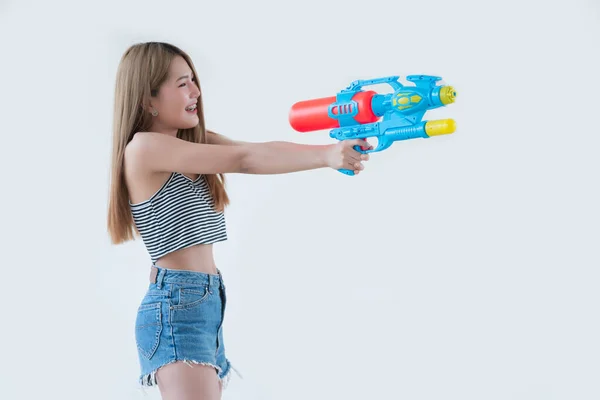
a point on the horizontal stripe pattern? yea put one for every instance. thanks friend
(180, 214)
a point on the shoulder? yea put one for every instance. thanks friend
(137, 150)
(140, 141)
(143, 145)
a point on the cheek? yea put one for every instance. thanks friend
(174, 102)
(176, 108)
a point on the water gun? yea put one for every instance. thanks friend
(355, 114)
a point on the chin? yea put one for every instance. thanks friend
(190, 123)
(188, 126)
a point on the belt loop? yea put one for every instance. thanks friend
(160, 277)
(220, 277)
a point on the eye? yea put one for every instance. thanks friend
(183, 84)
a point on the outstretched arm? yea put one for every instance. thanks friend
(216, 138)
(279, 157)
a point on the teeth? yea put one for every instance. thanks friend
(191, 108)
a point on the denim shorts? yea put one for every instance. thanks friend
(180, 318)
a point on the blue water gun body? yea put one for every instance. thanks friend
(355, 114)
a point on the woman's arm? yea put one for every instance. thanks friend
(279, 157)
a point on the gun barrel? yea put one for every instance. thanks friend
(423, 130)
(440, 127)
(447, 95)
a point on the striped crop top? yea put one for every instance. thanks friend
(180, 214)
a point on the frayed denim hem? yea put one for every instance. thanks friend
(149, 380)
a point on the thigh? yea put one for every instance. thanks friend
(183, 381)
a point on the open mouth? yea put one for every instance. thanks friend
(191, 109)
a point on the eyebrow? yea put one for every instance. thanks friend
(185, 76)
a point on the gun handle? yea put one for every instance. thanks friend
(350, 172)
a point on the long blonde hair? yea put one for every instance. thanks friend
(142, 70)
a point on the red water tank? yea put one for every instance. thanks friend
(312, 115)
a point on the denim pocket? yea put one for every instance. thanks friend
(190, 296)
(148, 327)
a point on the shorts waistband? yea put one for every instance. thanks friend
(160, 276)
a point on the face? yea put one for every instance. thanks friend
(175, 97)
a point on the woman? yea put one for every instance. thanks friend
(167, 185)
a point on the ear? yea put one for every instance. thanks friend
(147, 106)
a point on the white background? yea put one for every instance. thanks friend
(458, 267)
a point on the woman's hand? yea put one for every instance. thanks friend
(343, 156)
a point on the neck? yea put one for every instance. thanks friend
(157, 127)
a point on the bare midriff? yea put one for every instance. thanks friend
(197, 258)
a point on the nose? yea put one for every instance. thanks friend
(196, 91)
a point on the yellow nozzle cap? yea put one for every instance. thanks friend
(447, 94)
(440, 127)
